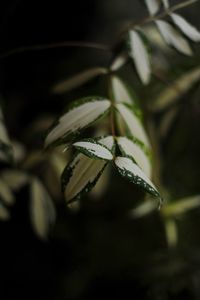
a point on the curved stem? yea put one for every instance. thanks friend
(67, 44)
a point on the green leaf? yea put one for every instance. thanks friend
(93, 149)
(189, 30)
(133, 123)
(128, 169)
(140, 56)
(131, 148)
(42, 211)
(78, 80)
(171, 232)
(173, 38)
(83, 114)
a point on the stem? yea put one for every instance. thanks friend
(159, 16)
(68, 44)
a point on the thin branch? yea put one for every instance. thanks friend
(159, 16)
(68, 44)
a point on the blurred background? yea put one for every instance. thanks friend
(98, 250)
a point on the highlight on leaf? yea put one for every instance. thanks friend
(128, 169)
(83, 114)
(139, 53)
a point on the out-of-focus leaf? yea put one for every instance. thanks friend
(4, 213)
(14, 179)
(118, 62)
(171, 232)
(78, 80)
(6, 194)
(174, 92)
(189, 30)
(133, 123)
(140, 56)
(173, 38)
(153, 6)
(42, 211)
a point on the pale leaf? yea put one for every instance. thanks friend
(93, 149)
(128, 169)
(153, 6)
(189, 30)
(85, 113)
(140, 56)
(173, 38)
(42, 211)
(133, 149)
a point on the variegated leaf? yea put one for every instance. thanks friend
(133, 149)
(42, 211)
(133, 123)
(81, 175)
(120, 91)
(189, 30)
(128, 169)
(173, 38)
(153, 6)
(84, 113)
(93, 149)
(140, 56)
(78, 80)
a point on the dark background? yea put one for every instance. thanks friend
(99, 252)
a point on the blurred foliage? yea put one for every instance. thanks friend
(98, 249)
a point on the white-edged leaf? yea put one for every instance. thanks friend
(174, 92)
(130, 148)
(181, 206)
(120, 92)
(6, 194)
(81, 175)
(4, 213)
(153, 6)
(133, 123)
(85, 113)
(93, 149)
(14, 179)
(42, 211)
(171, 232)
(78, 80)
(128, 169)
(189, 30)
(140, 56)
(165, 3)
(173, 38)
(119, 62)
(107, 141)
